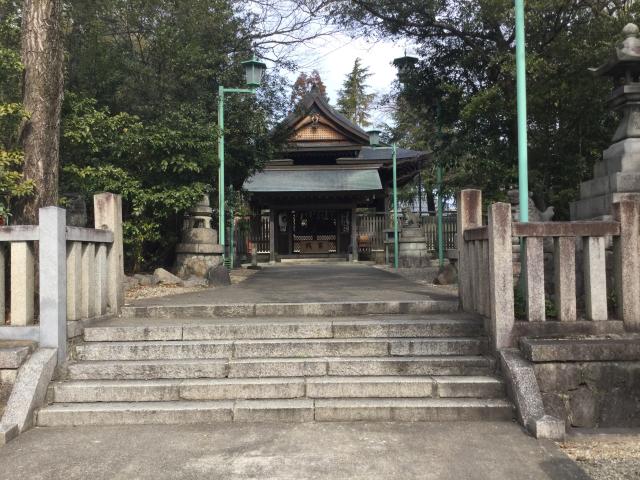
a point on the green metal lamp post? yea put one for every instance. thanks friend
(254, 71)
(521, 92)
(374, 141)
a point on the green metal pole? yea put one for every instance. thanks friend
(440, 227)
(395, 207)
(440, 202)
(523, 173)
(231, 239)
(221, 204)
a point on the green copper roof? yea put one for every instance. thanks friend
(320, 180)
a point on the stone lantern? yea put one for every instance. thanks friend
(199, 249)
(617, 175)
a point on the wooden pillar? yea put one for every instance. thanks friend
(272, 235)
(354, 234)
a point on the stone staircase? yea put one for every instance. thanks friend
(390, 367)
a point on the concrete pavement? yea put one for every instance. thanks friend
(310, 283)
(350, 451)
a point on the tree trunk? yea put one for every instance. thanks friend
(42, 57)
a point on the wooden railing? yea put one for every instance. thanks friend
(486, 266)
(80, 273)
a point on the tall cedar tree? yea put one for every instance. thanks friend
(353, 99)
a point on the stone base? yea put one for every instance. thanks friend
(622, 156)
(599, 207)
(413, 254)
(198, 264)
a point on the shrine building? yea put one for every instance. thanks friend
(327, 173)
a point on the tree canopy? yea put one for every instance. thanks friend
(467, 67)
(141, 109)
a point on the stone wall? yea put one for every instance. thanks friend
(591, 394)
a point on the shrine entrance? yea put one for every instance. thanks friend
(313, 232)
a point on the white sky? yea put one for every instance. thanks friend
(334, 57)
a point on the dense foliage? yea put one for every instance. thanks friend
(467, 67)
(141, 109)
(12, 114)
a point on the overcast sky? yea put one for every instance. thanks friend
(334, 57)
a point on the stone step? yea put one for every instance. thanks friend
(412, 409)
(280, 367)
(359, 366)
(369, 326)
(182, 350)
(147, 370)
(295, 410)
(275, 388)
(314, 309)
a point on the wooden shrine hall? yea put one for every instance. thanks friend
(327, 172)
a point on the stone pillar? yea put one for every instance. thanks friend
(22, 283)
(74, 280)
(627, 263)
(108, 215)
(53, 271)
(564, 260)
(88, 305)
(501, 275)
(534, 283)
(595, 278)
(469, 216)
(102, 284)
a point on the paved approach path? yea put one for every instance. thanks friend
(310, 283)
(345, 451)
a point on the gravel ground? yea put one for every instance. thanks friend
(153, 291)
(606, 457)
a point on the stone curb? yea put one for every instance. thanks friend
(29, 392)
(522, 388)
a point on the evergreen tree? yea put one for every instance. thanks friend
(304, 84)
(354, 100)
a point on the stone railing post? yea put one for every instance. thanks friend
(627, 263)
(469, 216)
(501, 275)
(53, 280)
(108, 216)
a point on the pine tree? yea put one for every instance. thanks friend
(353, 99)
(304, 84)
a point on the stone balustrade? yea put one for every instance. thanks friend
(80, 274)
(486, 266)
